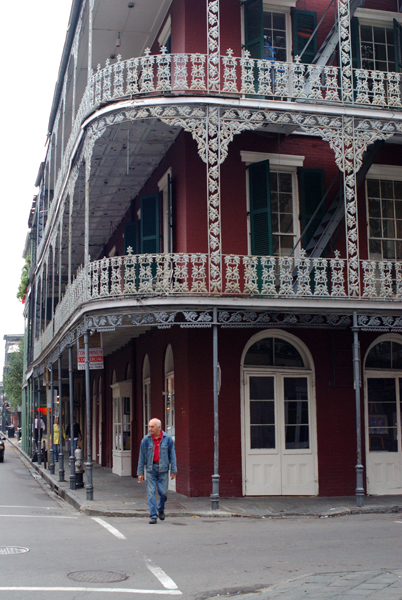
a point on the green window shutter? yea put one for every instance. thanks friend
(150, 228)
(398, 46)
(254, 33)
(130, 237)
(304, 23)
(311, 193)
(355, 35)
(260, 209)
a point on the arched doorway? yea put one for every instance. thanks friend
(278, 417)
(170, 418)
(383, 399)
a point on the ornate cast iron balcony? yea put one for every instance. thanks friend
(170, 275)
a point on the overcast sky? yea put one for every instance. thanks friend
(31, 42)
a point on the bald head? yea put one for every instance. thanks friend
(154, 427)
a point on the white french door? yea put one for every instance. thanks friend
(170, 417)
(280, 434)
(383, 397)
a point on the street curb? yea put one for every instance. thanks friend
(95, 510)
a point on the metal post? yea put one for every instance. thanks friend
(51, 464)
(357, 384)
(89, 485)
(70, 385)
(39, 427)
(61, 453)
(215, 477)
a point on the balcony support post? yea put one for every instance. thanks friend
(51, 451)
(71, 439)
(215, 365)
(87, 176)
(39, 423)
(213, 46)
(357, 385)
(345, 50)
(61, 453)
(89, 484)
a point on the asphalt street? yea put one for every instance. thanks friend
(49, 550)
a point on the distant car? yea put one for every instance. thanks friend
(2, 448)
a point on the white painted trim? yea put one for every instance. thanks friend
(166, 30)
(279, 4)
(308, 370)
(163, 188)
(393, 172)
(381, 17)
(275, 160)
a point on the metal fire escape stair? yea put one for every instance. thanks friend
(332, 40)
(336, 211)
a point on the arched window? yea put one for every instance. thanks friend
(273, 352)
(128, 371)
(385, 355)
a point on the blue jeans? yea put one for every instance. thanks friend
(156, 480)
(56, 448)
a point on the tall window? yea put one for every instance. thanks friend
(385, 219)
(146, 394)
(274, 26)
(377, 48)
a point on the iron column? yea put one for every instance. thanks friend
(357, 384)
(89, 485)
(51, 465)
(70, 385)
(61, 453)
(215, 477)
(39, 426)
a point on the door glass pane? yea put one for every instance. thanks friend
(296, 413)
(382, 415)
(262, 412)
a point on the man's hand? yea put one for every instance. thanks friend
(140, 478)
(172, 475)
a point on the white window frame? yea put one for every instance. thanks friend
(278, 163)
(378, 172)
(166, 32)
(280, 6)
(163, 184)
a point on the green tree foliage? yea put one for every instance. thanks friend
(22, 288)
(12, 380)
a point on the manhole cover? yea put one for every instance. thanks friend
(13, 550)
(97, 576)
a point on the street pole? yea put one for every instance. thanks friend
(70, 385)
(39, 426)
(61, 453)
(51, 465)
(357, 384)
(215, 477)
(89, 484)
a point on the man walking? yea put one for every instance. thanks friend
(156, 455)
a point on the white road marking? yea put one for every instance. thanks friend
(34, 507)
(165, 580)
(85, 589)
(39, 516)
(110, 528)
(398, 521)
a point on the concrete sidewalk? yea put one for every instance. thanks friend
(124, 496)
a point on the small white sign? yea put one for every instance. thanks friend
(95, 358)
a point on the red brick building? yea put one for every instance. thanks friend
(230, 180)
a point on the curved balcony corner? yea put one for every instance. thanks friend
(262, 277)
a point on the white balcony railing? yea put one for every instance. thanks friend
(150, 275)
(186, 74)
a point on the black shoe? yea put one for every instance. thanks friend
(161, 515)
(153, 521)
